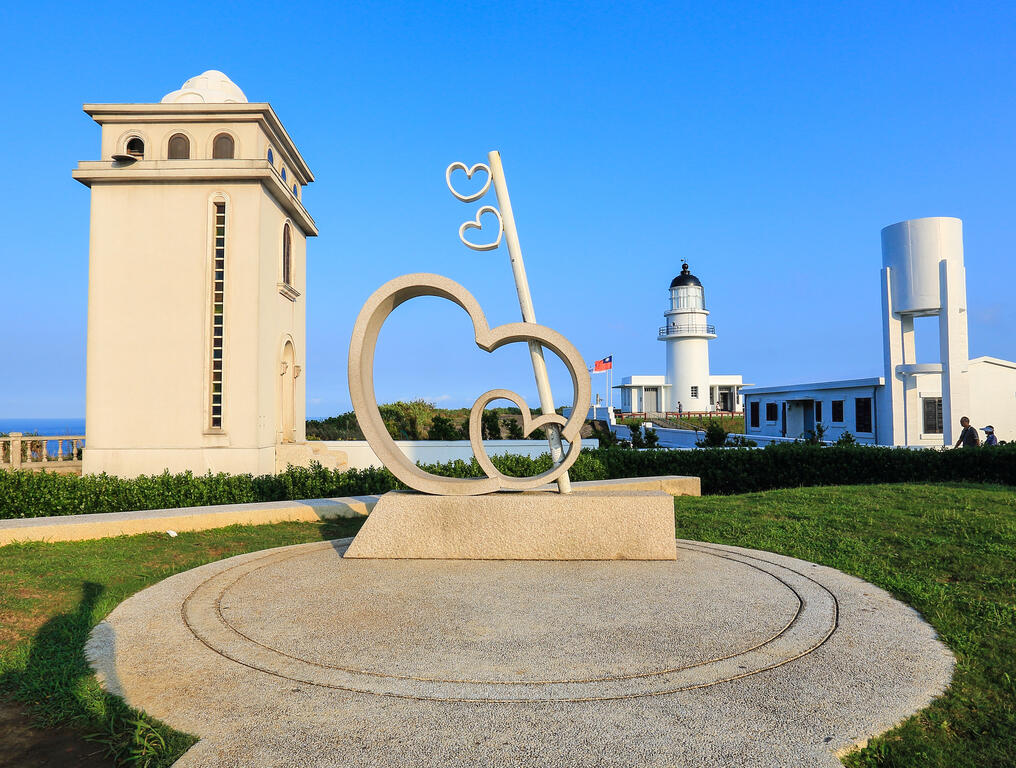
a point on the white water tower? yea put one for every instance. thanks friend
(687, 334)
(923, 276)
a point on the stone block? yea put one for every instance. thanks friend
(530, 525)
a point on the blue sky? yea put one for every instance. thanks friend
(766, 143)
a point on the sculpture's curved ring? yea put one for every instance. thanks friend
(361, 387)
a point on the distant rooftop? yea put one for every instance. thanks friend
(211, 87)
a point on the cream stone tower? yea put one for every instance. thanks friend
(196, 292)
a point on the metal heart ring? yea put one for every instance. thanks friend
(361, 388)
(475, 224)
(469, 175)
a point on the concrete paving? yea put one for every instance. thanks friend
(724, 657)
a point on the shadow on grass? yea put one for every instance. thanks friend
(57, 686)
(341, 528)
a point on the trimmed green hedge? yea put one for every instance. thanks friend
(724, 470)
(794, 465)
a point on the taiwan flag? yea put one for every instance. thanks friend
(604, 365)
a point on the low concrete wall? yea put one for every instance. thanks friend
(103, 525)
(360, 456)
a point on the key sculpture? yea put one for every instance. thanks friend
(393, 293)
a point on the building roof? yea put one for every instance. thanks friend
(261, 113)
(873, 381)
(685, 278)
(993, 361)
(210, 87)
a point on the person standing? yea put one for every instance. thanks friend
(968, 437)
(989, 436)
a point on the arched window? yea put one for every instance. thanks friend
(283, 174)
(136, 148)
(271, 157)
(287, 256)
(296, 191)
(222, 147)
(179, 147)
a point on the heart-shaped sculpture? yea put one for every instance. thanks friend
(469, 174)
(361, 388)
(477, 225)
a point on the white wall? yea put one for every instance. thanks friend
(993, 396)
(797, 418)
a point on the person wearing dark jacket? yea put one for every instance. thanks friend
(989, 436)
(968, 437)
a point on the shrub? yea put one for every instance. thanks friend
(715, 436)
(846, 439)
(727, 470)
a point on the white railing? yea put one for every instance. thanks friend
(19, 451)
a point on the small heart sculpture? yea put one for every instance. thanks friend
(469, 175)
(477, 225)
(361, 388)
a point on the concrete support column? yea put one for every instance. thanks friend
(892, 425)
(954, 348)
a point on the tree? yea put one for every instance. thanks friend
(490, 424)
(514, 428)
(636, 434)
(442, 428)
(651, 438)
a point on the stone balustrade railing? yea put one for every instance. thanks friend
(19, 451)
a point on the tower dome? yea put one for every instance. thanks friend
(685, 278)
(211, 87)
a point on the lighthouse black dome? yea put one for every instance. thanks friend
(685, 278)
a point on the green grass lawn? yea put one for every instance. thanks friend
(733, 424)
(51, 595)
(949, 551)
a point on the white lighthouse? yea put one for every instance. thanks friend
(687, 334)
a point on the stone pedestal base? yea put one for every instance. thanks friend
(532, 525)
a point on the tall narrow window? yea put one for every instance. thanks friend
(753, 410)
(218, 312)
(222, 147)
(818, 411)
(932, 415)
(287, 256)
(694, 392)
(772, 412)
(837, 411)
(179, 147)
(863, 413)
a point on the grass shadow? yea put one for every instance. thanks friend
(57, 685)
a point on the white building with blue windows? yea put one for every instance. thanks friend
(913, 403)
(687, 386)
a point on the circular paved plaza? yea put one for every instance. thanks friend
(296, 656)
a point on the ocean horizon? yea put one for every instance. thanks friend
(73, 425)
